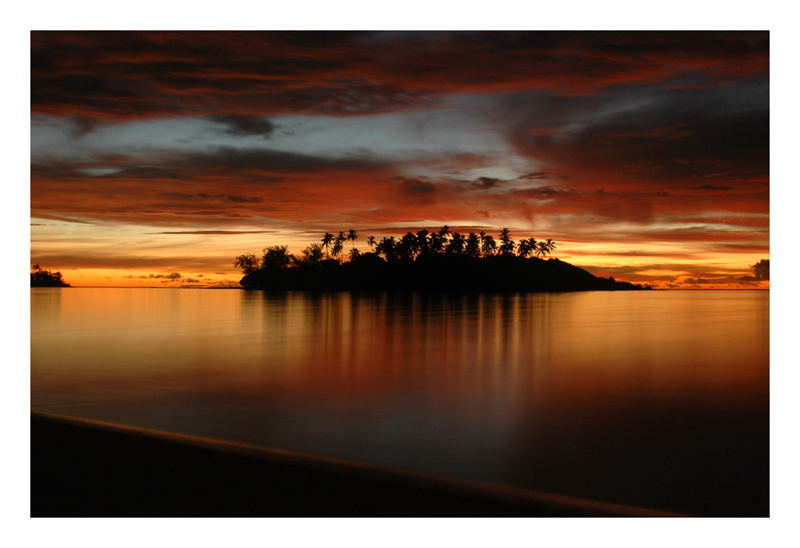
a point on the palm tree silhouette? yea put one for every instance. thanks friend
(247, 263)
(482, 237)
(405, 247)
(311, 255)
(386, 247)
(338, 244)
(276, 257)
(473, 248)
(351, 235)
(444, 231)
(435, 243)
(371, 241)
(524, 248)
(327, 239)
(507, 246)
(456, 245)
(423, 246)
(551, 245)
(488, 246)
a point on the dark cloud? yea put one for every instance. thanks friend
(720, 280)
(140, 172)
(242, 199)
(233, 160)
(649, 134)
(139, 74)
(179, 165)
(542, 192)
(241, 125)
(416, 187)
(712, 187)
(488, 182)
(60, 218)
(224, 284)
(535, 176)
(170, 276)
(81, 125)
(206, 196)
(207, 188)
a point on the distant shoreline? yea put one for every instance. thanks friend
(657, 289)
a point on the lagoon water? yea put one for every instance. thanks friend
(652, 398)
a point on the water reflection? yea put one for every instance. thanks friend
(652, 398)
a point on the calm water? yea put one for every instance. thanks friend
(659, 399)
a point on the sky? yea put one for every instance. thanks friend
(156, 158)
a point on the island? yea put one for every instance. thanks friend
(45, 278)
(441, 261)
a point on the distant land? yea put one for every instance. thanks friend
(425, 261)
(45, 278)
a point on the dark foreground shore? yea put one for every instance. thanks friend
(84, 468)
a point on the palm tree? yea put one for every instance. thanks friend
(482, 237)
(354, 253)
(524, 248)
(456, 245)
(551, 245)
(507, 246)
(473, 248)
(351, 235)
(338, 244)
(386, 247)
(276, 257)
(422, 241)
(436, 242)
(541, 249)
(312, 254)
(489, 246)
(407, 246)
(248, 263)
(371, 241)
(444, 231)
(326, 243)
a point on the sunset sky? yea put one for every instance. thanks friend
(156, 158)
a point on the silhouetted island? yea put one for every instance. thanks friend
(425, 261)
(45, 278)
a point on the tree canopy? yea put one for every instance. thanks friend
(45, 278)
(442, 260)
